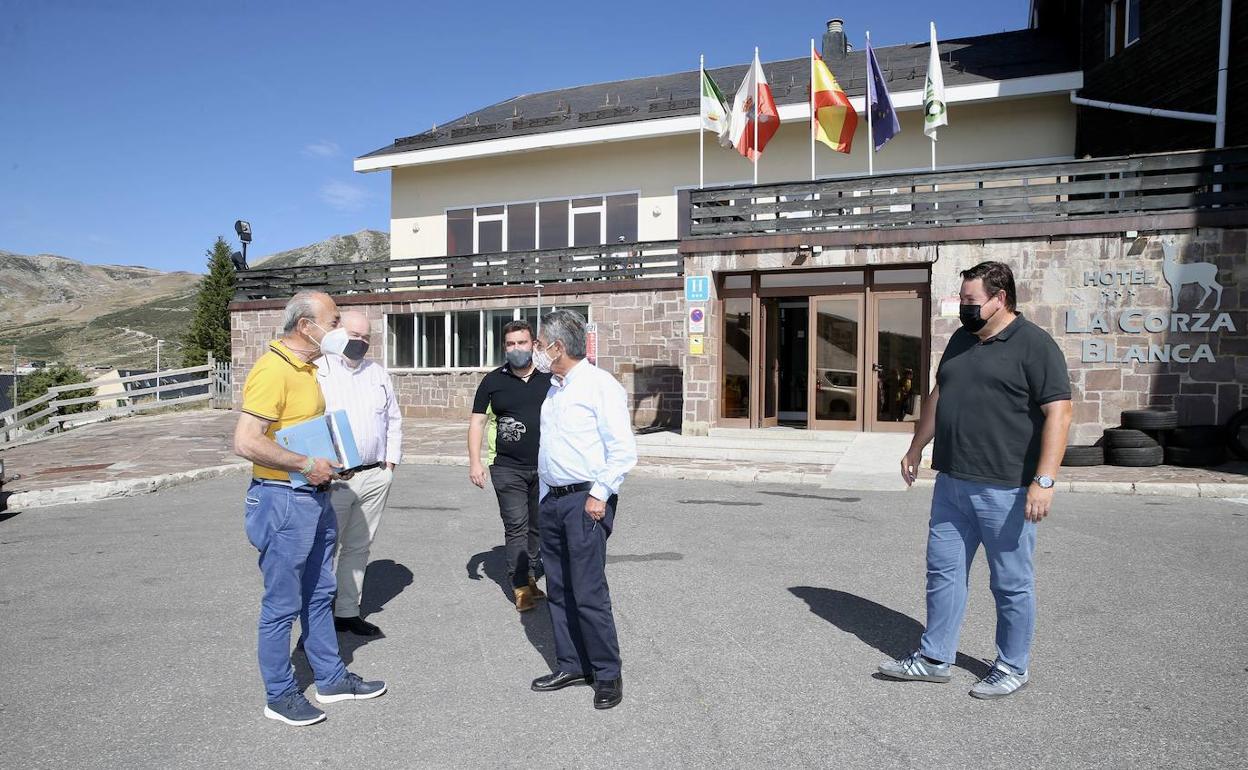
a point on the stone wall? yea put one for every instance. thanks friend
(640, 342)
(1051, 275)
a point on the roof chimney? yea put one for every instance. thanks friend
(834, 47)
(834, 40)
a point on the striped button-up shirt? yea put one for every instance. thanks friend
(366, 394)
(587, 434)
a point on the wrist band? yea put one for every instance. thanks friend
(311, 464)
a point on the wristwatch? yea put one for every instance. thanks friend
(1045, 482)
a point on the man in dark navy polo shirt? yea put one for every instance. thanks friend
(1000, 413)
(509, 402)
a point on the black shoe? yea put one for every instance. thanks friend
(357, 626)
(559, 680)
(608, 694)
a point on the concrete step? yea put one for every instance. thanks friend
(806, 456)
(663, 440)
(758, 435)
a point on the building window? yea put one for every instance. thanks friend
(555, 224)
(1122, 25)
(462, 339)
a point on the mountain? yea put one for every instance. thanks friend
(362, 246)
(59, 309)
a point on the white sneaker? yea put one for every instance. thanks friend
(1000, 682)
(914, 668)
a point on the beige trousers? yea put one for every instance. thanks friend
(358, 503)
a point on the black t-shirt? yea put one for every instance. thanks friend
(988, 416)
(516, 407)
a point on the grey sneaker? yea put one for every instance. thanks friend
(294, 709)
(350, 687)
(915, 669)
(1000, 682)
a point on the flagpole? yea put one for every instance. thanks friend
(754, 75)
(812, 109)
(701, 138)
(870, 130)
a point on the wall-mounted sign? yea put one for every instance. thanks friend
(591, 343)
(697, 320)
(697, 288)
(695, 345)
(1118, 285)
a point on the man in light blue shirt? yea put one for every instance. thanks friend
(586, 448)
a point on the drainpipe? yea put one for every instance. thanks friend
(1153, 111)
(1224, 55)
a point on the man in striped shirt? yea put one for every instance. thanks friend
(363, 389)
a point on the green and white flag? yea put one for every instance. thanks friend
(935, 113)
(715, 115)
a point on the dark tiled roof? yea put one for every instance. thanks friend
(1002, 56)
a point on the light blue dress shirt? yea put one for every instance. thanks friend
(587, 434)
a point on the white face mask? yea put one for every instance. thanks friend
(334, 341)
(542, 360)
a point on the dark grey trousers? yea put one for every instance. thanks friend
(516, 489)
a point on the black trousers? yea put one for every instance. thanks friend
(574, 555)
(516, 489)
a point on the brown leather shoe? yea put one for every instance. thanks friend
(534, 591)
(524, 599)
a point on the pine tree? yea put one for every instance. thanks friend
(209, 331)
(34, 385)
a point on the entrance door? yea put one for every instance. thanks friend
(768, 358)
(837, 340)
(897, 360)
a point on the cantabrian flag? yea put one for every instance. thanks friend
(753, 105)
(834, 117)
(715, 117)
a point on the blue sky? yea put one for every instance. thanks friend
(136, 132)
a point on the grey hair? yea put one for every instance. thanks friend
(566, 327)
(300, 306)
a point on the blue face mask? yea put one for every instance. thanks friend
(519, 358)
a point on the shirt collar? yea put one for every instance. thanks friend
(289, 356)
(1009, 330)
(575, 371)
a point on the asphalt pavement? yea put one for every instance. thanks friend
(751, 620)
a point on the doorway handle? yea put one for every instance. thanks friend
(877, 367)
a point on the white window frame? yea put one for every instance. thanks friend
(451, 339)
(601, 209)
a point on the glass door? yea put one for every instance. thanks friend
(768, 358)
(836, 358)
(897, 359)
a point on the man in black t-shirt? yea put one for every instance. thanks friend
(999, 412)
(509, 404)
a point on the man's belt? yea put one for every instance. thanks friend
(308, 487)
(368, 467)
(584, 486)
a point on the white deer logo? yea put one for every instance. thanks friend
(1203, 274)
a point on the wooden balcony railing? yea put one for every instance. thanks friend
(613, 262)
(1124, 186)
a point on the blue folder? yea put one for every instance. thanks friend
(328, 436)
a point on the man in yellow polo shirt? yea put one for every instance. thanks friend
(294, 529)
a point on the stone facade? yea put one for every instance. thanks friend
(640, 342)
(1056, 275)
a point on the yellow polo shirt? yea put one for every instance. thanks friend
(281, 388)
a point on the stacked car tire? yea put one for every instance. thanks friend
(1150, 437)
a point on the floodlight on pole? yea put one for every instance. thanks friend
(243, 229)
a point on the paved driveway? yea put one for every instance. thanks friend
(751, 619)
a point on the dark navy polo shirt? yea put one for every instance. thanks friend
(988, 416)
(516, 407)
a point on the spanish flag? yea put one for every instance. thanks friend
(834, 120)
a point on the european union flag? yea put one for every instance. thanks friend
(884, 125)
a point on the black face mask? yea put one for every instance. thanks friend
(970, 318)
(355, 349)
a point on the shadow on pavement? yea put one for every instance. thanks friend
(536, 622)
(889, 631)
(384, 579)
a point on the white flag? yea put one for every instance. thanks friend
(715, 115)
(935, 114)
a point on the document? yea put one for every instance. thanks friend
(328, 436)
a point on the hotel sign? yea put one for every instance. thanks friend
(1122, 285)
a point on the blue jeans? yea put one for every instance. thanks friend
(294, 531)
(964, 515)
